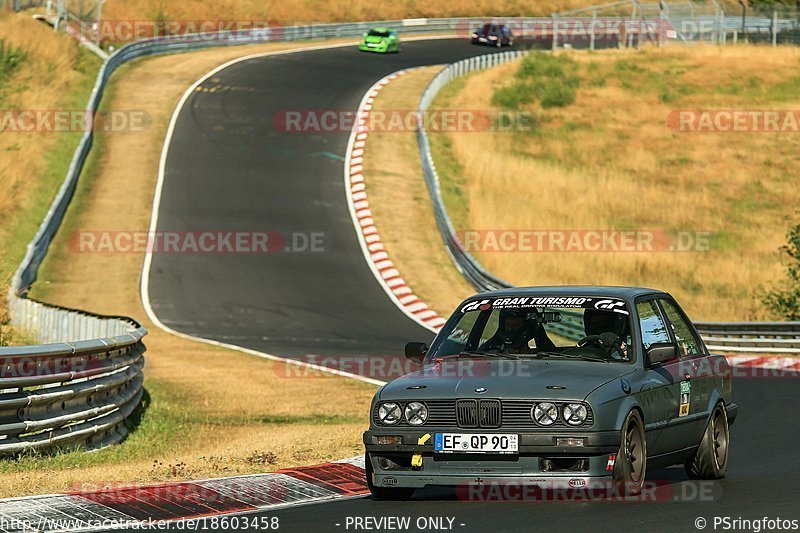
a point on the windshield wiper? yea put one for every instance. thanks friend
(488, 354)
(573, 356)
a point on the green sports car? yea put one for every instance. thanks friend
(381, 40)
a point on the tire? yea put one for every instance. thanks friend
(384, 493)
(630, 467)
(710, 461)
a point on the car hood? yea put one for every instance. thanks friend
(504, 378)
(374, 39)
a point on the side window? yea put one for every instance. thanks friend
(653, 328)
(687, 342)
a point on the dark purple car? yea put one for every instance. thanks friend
(494, 35)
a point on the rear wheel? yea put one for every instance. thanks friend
(631, 464)
(384, 493)
(710, 461)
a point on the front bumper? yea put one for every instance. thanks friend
(532, 465)
(382, 48)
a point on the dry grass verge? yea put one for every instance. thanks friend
(39, 70)
(610, 161)
(307, 11)
(212, 412)
(397, 192)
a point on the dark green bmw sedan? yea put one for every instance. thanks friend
(570, 387)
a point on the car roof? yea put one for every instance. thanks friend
(568, 290)
(384, 30)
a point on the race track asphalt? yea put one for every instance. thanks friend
(229, 168)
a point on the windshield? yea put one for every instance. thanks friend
(540, 327)
(378, 33)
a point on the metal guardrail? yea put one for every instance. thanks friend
(744, 337)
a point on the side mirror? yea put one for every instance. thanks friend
(661, 352)
(415, 351)
(364, 35)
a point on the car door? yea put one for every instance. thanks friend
(697, 381)
(657, 395)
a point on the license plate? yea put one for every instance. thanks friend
(475, 443)
(372, 45)
(482, 39)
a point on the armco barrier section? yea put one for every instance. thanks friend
(739, 337)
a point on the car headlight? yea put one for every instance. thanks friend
(389, 413)
(474, 35)
(575, 413)
(493, 37)
(544, 414)
(416, 413)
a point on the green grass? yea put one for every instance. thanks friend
(11, 58)
(447, 165)
(549, 79)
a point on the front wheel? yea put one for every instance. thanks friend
(384, 493)
(710, 461)
(631, 464)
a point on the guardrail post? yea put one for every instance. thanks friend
(554, 32)
(722, 30)
(774, 27)
(591, 29)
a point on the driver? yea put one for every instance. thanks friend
(606, 330)
(515, 329)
